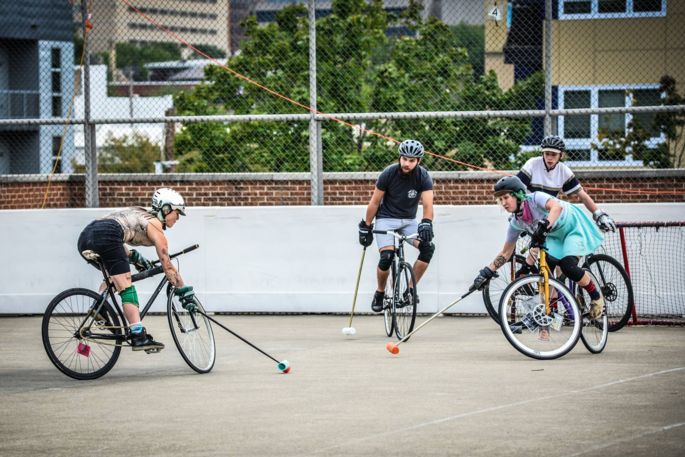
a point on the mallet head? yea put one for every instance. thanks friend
(349, 331)
(392, 348)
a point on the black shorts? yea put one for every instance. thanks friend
(106, 238)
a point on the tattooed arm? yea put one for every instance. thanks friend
(156, 235)
(502, 257)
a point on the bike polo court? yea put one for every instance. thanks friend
(456, 388)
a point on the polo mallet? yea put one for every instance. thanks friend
(394, 348)
(283, 366)
(349, 330)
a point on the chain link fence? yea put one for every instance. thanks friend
(223, 86)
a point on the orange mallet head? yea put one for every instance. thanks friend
(392, 348)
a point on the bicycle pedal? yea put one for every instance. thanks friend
(153, 350)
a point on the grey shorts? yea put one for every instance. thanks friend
(404, 226)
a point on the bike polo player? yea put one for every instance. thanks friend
(394, 202)
(565, 230)
(137, 226)
(549, 175)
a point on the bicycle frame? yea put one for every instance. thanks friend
(110, 289)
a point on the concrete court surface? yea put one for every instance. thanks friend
(457, 388)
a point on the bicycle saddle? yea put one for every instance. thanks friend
(90, 255)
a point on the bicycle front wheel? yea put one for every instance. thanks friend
(192, 333)
(492, 292)
(616, 288)
(534, 329)
(404, 306)
(81, 341)
(594, 332)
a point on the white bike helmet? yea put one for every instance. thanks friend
(165, 200)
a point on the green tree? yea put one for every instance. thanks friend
(134, 153)
(358, 70)
(132, 57)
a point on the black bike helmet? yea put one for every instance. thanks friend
(554, 143)
(411, 148)
(510, 185)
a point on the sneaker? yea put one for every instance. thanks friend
(596, 308)
(377, 303)
(143, 341)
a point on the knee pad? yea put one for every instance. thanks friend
(426, 251)
(569, 266)
(386, 260)
(129, 295)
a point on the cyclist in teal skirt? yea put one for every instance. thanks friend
(564, 229)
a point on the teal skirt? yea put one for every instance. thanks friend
(575, 234)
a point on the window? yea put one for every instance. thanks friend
(56, 158)
(602, 9)
(56, 58)
(612, 123)
(582, 131)
(577, 126)
(56, 106)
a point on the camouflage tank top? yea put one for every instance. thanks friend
(134, 221)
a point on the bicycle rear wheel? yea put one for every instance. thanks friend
(192, 333)
(80, 343)
(388, 315)
(528, 326)
(404, 306)
(616, 288)
(594, 332)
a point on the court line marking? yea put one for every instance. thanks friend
(665, 428)
(508, 405)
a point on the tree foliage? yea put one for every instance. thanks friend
(359, 69)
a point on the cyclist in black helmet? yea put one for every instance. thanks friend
(549, 175)
(395, 200)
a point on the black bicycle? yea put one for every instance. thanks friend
(399, 303)
(615, 285)
(83, 332)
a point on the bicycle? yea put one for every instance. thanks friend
(83, 332)
(399, 302)
(542, 318)
(614, 284)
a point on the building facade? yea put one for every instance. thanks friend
(36, 81)
(604, 54)
(201, 22)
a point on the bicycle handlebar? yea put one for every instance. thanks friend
(158, 269)
(397, 235)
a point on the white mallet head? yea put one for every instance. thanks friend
(349, 331)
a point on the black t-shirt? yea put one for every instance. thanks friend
(402, 192)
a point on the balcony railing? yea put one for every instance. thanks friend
(19, 104)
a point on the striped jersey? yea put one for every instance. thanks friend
(537, 178)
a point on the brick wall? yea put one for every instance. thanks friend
(454, 188)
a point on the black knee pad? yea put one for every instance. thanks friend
(569, 266)
(386, 260)
(426, 251)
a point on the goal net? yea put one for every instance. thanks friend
(653, 255)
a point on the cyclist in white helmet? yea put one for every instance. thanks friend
(395, 200)
(135, 226)
(549, 175)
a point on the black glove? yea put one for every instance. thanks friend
(187, 297)
(138, 261)
(483, 278)
(365, 233)
(538, 237)
(426, 230)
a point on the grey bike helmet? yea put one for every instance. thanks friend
(553, 143)
(411, 148)
(510, 185)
